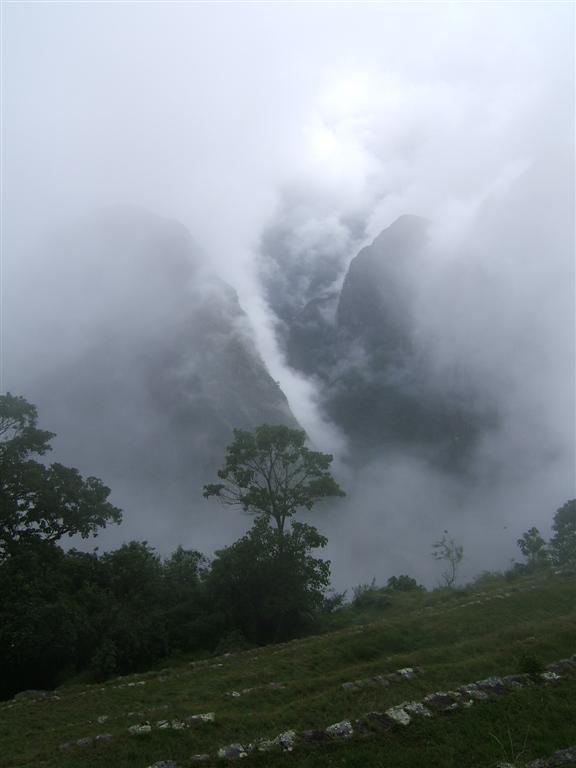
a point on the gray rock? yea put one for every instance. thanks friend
(378, 721)
(517, 681)
(563, 757)
(441, 701)
(493, 685)
(199, 758)
(349, 686)
(314, 737)
(164, 764)
(86, 742)
(103, 737)
(563, 667)
(233, 752)
(343, 729)
(471, 691)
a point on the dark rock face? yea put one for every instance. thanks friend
(362, 345)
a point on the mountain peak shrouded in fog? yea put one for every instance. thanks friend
(361, 343)
(152, 362)
(281, 145)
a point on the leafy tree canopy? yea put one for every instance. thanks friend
(563, 541)
(40, 502)
(533, 546)
(270, 472)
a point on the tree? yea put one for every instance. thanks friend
(257, 598)
(271, 473)
(40, 502)
(533, 547)
(446, 549)
(563, 542)
(404, 583)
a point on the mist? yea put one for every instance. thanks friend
(324, 122)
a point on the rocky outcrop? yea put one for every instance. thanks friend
(363, 347)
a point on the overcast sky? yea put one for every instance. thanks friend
(211, 112)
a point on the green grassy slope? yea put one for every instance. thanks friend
(456, 637)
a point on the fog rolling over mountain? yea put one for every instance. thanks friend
(148, 365)
(361, 344)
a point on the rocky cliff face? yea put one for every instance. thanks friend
(361, 344)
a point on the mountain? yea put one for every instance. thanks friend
(143, 363)
(362, 344)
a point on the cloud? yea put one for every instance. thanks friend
(216, 115)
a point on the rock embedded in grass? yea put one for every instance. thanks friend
(343, 729)
(399, 715)
(233, 752)
(140, 729)
(442, 701)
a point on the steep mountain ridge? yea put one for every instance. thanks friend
(362, 345)
(148, 363)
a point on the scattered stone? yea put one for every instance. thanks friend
(416, 708)
(206, 717)
(164, 764)
(550, 677)
(399, 715)
(85, 742)
(492, 685)
(563, 757)
(314, 737)
(471, 691)
(342, 729)
(349, 686)
(232, 752)
(163, 724)
(102, 718)
(234, 694)
(103, 737)
(140, 729)
(378, 721)
(564, 666)
(441, 701)
(517, 681)
(178, 725)
(265, 745)
(381, 680)
(199, 758)
(276, 686)
(286, 741)
(407, 673)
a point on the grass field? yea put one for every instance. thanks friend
(456, 636)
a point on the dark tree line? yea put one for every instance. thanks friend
(68, 612)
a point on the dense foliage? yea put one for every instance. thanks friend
(39, 502)
(64, 613)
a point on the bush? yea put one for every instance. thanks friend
(369, 596)
(404, 583)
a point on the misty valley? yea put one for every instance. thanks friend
(287, 384)
(173, 394)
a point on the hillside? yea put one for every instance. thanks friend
(366, 348)
(368, 662)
